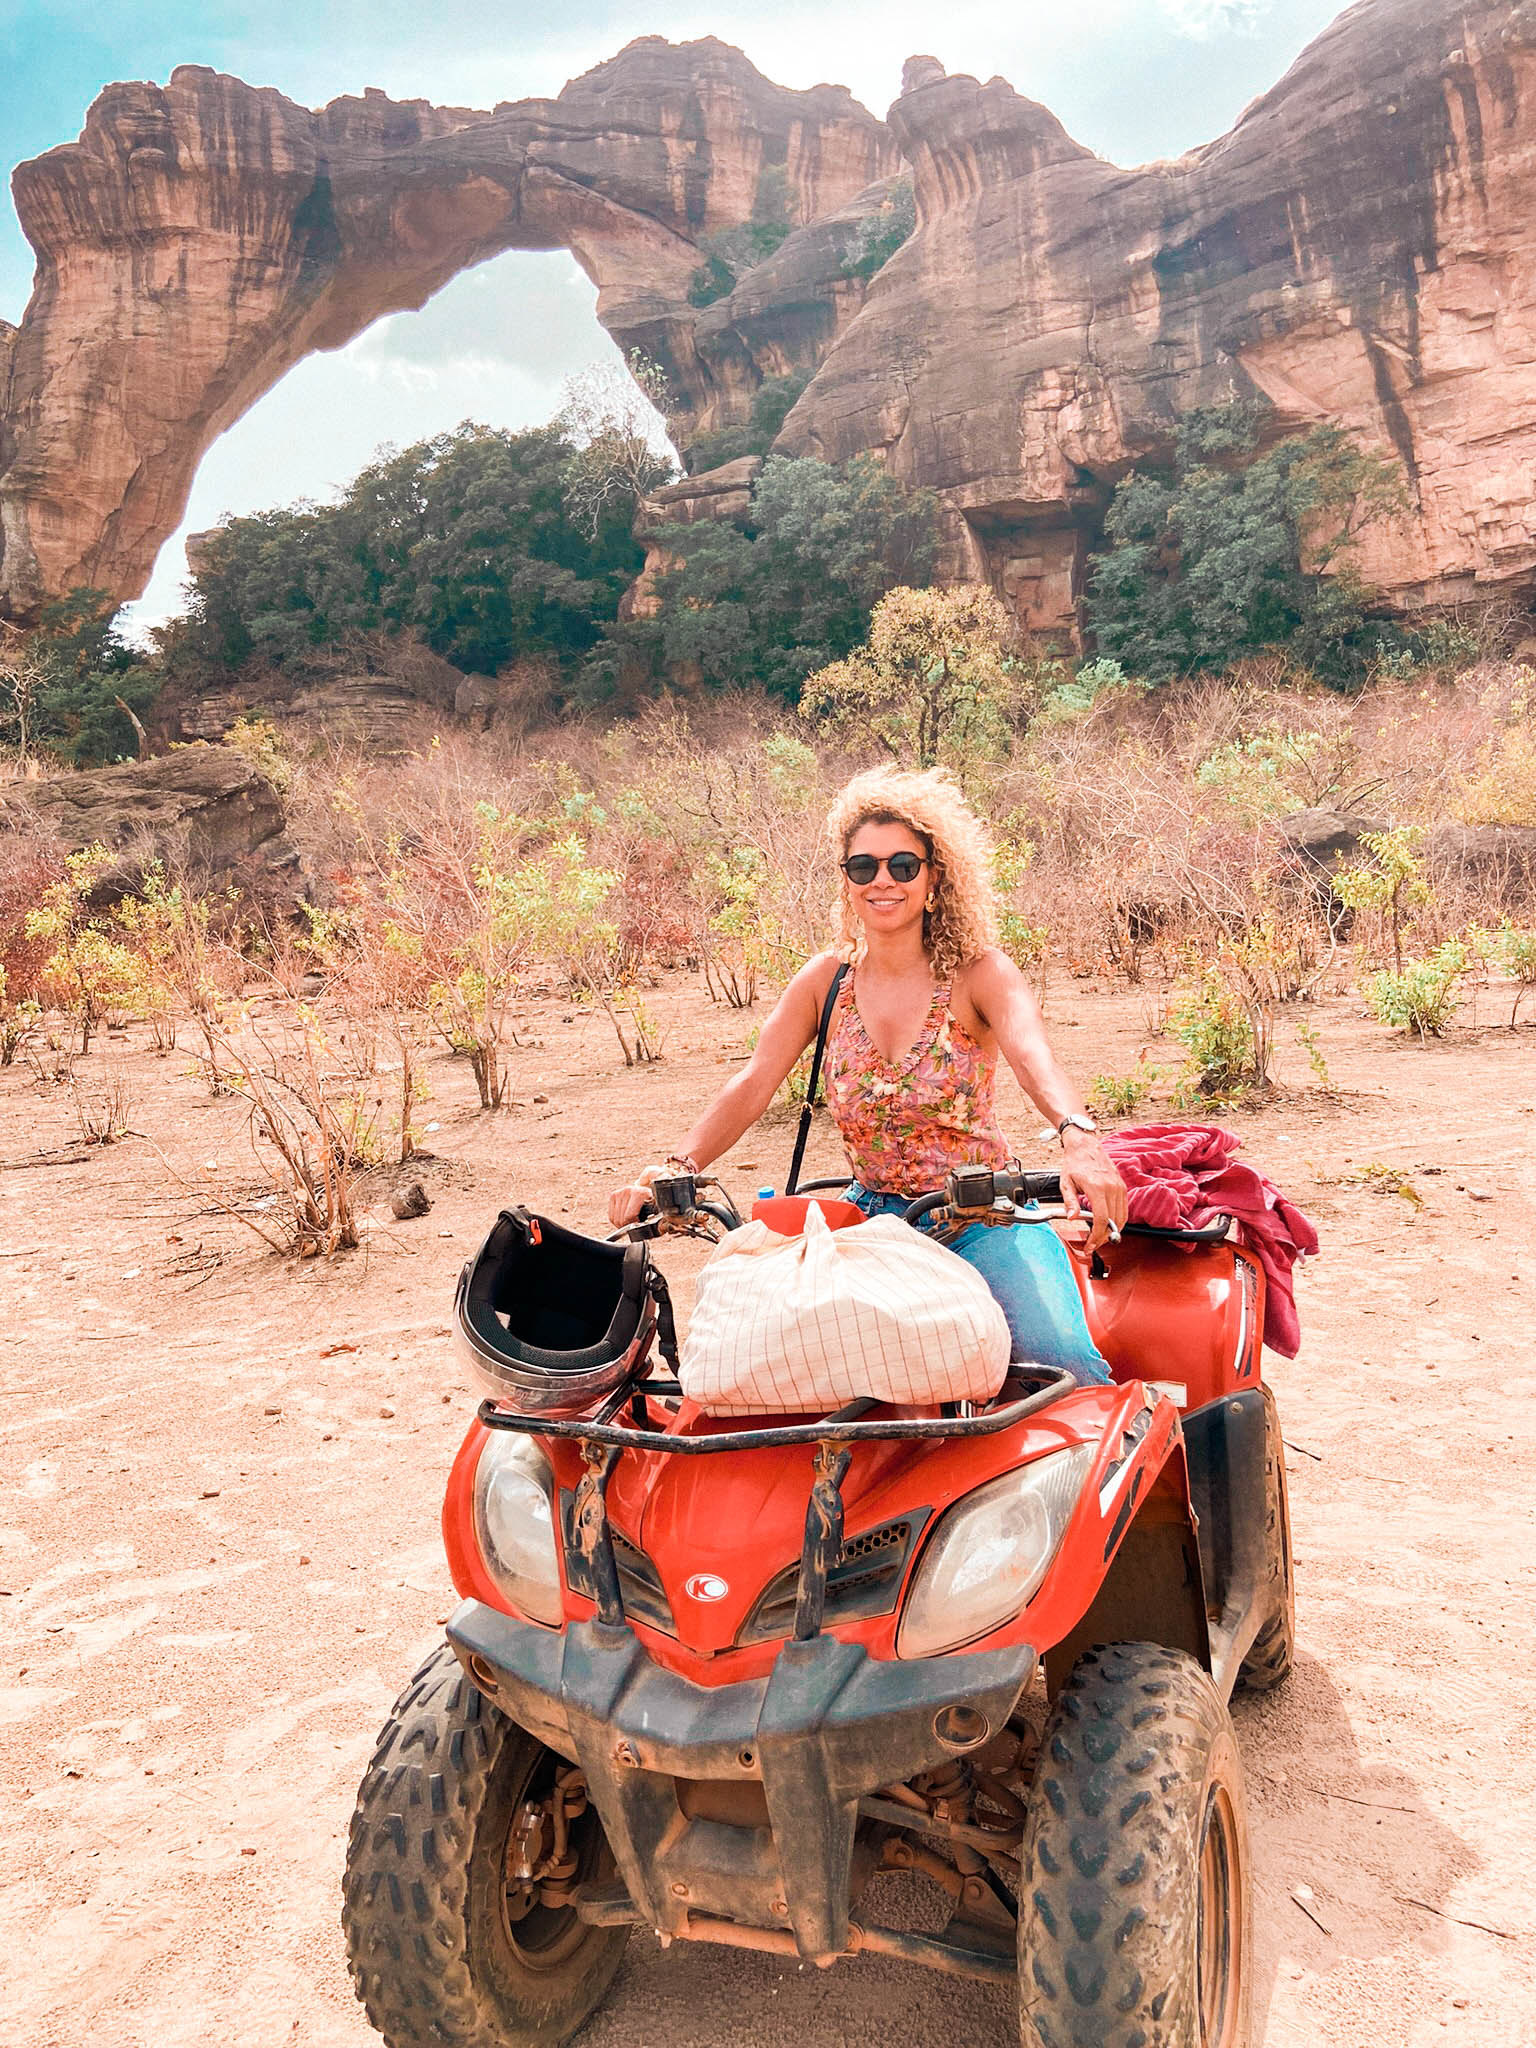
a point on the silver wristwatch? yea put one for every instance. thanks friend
(1076, 1123)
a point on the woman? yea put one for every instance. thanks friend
(929, 1003)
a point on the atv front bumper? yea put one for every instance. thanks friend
(828, 1725)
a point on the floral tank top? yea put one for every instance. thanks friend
(905, 1126)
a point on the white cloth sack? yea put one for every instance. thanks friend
(800, 1325)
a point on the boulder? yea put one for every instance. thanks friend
(203, 810)
(367, 711)
(1327, 840)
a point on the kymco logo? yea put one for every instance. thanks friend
(705, 1586)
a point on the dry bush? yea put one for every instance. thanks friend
(31, 864)
(1138, 836)
(312, 1120)
(104, 1105)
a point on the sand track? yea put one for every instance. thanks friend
(220, 1562)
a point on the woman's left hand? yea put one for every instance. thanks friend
(1090, 1180)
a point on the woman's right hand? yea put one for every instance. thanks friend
(626, 1203)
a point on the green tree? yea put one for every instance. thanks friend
(466, 537)
(1235, 550)
(882, 232)
(88, 690)
(730, 253)
(790, 592)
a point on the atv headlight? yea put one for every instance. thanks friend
(989, 1554)
(515, 1524)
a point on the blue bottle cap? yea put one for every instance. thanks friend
(765, 1194)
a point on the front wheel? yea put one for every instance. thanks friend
(445, 1943)
(1134, 1901)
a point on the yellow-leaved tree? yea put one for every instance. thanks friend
(934, 679)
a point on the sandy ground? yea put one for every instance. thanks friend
(219, 1553)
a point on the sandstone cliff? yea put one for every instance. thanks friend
(1360, 247)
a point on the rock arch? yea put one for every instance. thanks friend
(1359, 248)
(202, 236)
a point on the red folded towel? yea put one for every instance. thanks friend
(1182, 1176)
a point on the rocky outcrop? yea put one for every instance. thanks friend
(202, 236)
(1327, 840)
(1361, 248)
(202, 810)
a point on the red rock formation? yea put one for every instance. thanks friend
(201, 237)
(1360, 247)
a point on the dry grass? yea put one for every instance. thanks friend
(1139, 838)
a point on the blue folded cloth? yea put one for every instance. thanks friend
(1029, 1271)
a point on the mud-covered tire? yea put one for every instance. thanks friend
(429, 1943)
(1134, 1902)
(1270, 1659)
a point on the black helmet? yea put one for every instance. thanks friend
(552, 1320)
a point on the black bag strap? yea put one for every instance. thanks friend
(666, 1323)
(797, 1157)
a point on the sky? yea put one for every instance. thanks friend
(1133, 79)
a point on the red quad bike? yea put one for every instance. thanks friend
(712, 1675)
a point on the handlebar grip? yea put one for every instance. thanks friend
(1038, 1186)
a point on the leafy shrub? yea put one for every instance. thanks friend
(771, 405)
(1312, 1046)
(1027, 945)
(257, 740)
(88, 971)
(1123, 1094)
(882, 232)
(1422, 995)
(1095, 682)
(1517, 953)
(730, 253)
(1210, 1022)
(1232, 550)
(182, 966)
(787, 595)
(1391, 883)
(19, 1018)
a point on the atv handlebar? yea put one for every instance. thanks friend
(679, 1210)
(970, 1194)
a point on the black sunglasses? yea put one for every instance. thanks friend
(862, 868)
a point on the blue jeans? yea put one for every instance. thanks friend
(1027, 1267)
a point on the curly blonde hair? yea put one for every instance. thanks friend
(963, 920)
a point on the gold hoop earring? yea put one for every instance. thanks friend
(932, 899)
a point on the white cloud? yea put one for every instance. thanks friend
(1202, 19)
